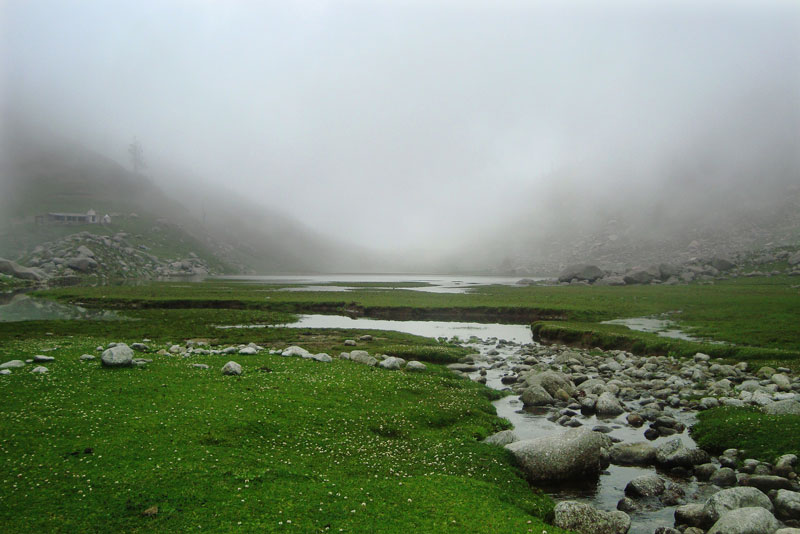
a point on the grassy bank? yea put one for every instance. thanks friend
(757, 315)
(290, 446)
(761, 436)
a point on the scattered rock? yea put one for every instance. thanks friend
(120, 355)
(231, 368)
(502, 438)
(751, 520)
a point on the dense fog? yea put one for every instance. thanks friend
(427, 131)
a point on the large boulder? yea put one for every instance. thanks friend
(733, 498)
(721, 264)
(585, 519)
(536, 396)
(668, 270)
(576, 453)
(787, 504)
(639, 275)
(551, 382)
(674, 453)
(392, 362)
(362, 356)
(794, 259)
(12, 364)
(632, 454)
(82, 264)
(746, 521)
(18, 271)
(120, 355)
(581, 271)
(650, 485)
(608, 406)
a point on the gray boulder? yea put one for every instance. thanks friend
(585, 519)
(645, 486)
(787, 504)
(361, 356)
(607, 405)
(721, 264)
(231, 368)
(502, 438)
(322, 357)
(87, 357)
(576, 453)
(536, 396)
(119, 355)
(5, 371)
(723, 477)
(674, 453)
(632, 454)
(414, 365)
(10, 268)
(581, 271)
(551, 381)
(294, 350)
(746, 521)
(733, 498)
(794, 259)
(392, 362)
(639, 275)
(12, 364)
(81, 264)
(41, 358)
(783, 407)
(248, 351)
(39, 370)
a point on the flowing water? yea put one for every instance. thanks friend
(603, 492)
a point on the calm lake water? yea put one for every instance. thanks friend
(438, 283)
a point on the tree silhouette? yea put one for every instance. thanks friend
(137, 156)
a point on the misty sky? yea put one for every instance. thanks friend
(406, 123)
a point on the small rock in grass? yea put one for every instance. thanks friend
(414, 365)
(150, 512)
(322, 357)
(39, 370)
(200, 366)
(365, 337)
(40, 358)
(87, 357)
(502, 438)
(5, 371)
(140, 347)
(248, 351)
(13, 364)
(120, 355)
(349, 343)
(231, 368)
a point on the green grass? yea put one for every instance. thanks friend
(290, 446)
(760, 313)
(761, 436)
(606, 336)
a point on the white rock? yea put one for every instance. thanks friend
(231, 368)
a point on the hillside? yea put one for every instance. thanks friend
(229, 235)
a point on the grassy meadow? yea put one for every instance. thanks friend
(295, 445)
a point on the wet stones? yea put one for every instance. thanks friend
(607, 405)
(674, 453)
(645, 486)
(752, 520)
(632, 454)
(536, 395)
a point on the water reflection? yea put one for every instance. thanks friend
(20, 307)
